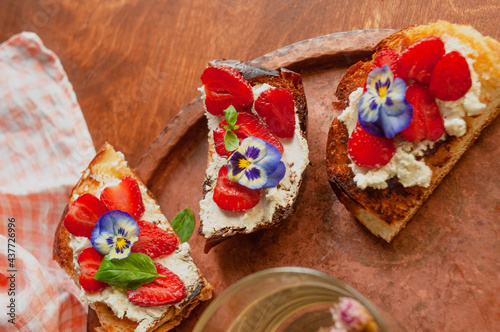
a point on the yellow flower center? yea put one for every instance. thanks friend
(243, 163)
(382, 92)
(120, 242)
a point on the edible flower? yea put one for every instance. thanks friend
(114, 233)
(256, 164)
(383, 109)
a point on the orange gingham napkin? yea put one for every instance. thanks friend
(44, 144)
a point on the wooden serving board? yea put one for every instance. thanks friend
(439, 274)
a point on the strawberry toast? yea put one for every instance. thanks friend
(408, 116)
(118, 247)
(258, 151)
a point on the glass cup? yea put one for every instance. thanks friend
(286, 299)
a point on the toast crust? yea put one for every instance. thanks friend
(255, 75)
(386, 211)
(63, 253)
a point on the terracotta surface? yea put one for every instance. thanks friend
(447, 256)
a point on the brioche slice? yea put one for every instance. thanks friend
(388, 205)
(114, 310)
(216, 224)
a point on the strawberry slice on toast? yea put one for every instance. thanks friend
(83, 214)
(232, 196)
(154, 241)
(276, 108)
(89, 261)
(125, 196)
(163, 290)
(248, 125)
(224, 87)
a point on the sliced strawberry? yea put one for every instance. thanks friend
(368, 150)
(83, 214)
(427, 122)
(232, 196)
(125, 196)
(161, 291)
(276, 108)
(154, 241)
(418, 60)
(388, 57)
(89, 261)
(249, 125)
(224, 87)
(451, 77)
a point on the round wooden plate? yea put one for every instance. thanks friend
(440, 273)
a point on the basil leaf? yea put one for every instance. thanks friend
(128, 273)
(183, 224)
(231, 141)
(231, 115)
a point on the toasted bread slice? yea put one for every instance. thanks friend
(385, 211)
(114, 310)
(217, 225)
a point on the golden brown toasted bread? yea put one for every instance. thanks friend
(217, 225)
(113, 309)
(386, 211)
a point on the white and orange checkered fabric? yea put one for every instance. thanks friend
(44, 145)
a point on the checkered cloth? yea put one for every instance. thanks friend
(44, 144)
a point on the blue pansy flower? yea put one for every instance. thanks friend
(256, 164)
(114, 233)
(383, 109)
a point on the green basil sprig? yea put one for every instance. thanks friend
(128, 273)
(231, 141)
(183, 223)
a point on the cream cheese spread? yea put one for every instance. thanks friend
(296, 159)
(179, 262)
(405, 164)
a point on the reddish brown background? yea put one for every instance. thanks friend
(134, 64)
